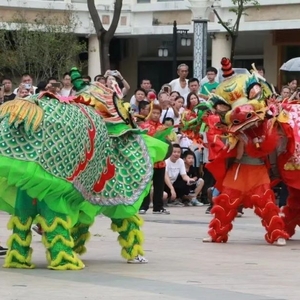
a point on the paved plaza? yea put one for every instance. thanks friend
(180, 267)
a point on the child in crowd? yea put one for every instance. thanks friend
(144, 110)
(153, 125)
(172, 137)
(207, 87)
(196, 188)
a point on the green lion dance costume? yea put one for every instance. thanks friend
(62, 162)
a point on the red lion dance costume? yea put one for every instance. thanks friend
(251, 137)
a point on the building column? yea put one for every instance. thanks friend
(271, 59)
(221, 47)
(94, 67)
(200, 48)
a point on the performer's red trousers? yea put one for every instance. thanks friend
(249, 186)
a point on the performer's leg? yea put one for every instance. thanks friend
(130, 238)
(263, 200)
(158, 190)
(291, 211)
(19, 254)
(57, 240)
(225, 210)
(283, 195)
(80, 234)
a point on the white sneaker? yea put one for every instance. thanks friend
(195, 202)
(207, 240)
(138, 260)
(280, 242)
(142, 212)
(161, 212)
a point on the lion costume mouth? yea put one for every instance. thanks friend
(253, 121)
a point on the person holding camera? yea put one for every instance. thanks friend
(26, 84)
(115, 75)
(53, 86)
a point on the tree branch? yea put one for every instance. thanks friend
(240, 12)
(95, 18)
(222, 22)
(115, 21)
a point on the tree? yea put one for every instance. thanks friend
(239, 9)
(104, 36)
(44, 45)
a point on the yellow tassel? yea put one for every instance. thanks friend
(15, 221)
(115, 228)
(22, 110)
(18, 266)
(80, 250)
(131, 237)
(137, 250)
(67, 267)
(57, 238)
(21, 259)
(57, 221)
(83, 238)
(16, 237)
(135, 219)
(65, 256)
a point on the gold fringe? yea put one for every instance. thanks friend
(16, 265)
(16, 237)
(80, 250)
(135, 219)
(62, 255)
(115, 227)
(57, 221)
(23, 262)
(137, 250)
(83, 238)
(67, 267)
(57, 238)
(131, 237)
(15, 221)
(22, 110)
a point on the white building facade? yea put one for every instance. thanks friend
(268, 35)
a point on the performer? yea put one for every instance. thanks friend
(245, 181)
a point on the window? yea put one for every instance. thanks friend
(143, 1)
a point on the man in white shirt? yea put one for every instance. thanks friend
(174, 168)
(26, 83)
(180, 84)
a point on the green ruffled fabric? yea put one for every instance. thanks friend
(60, 195)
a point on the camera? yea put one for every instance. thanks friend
(27, 86)
(114, 73)
(56, 84)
